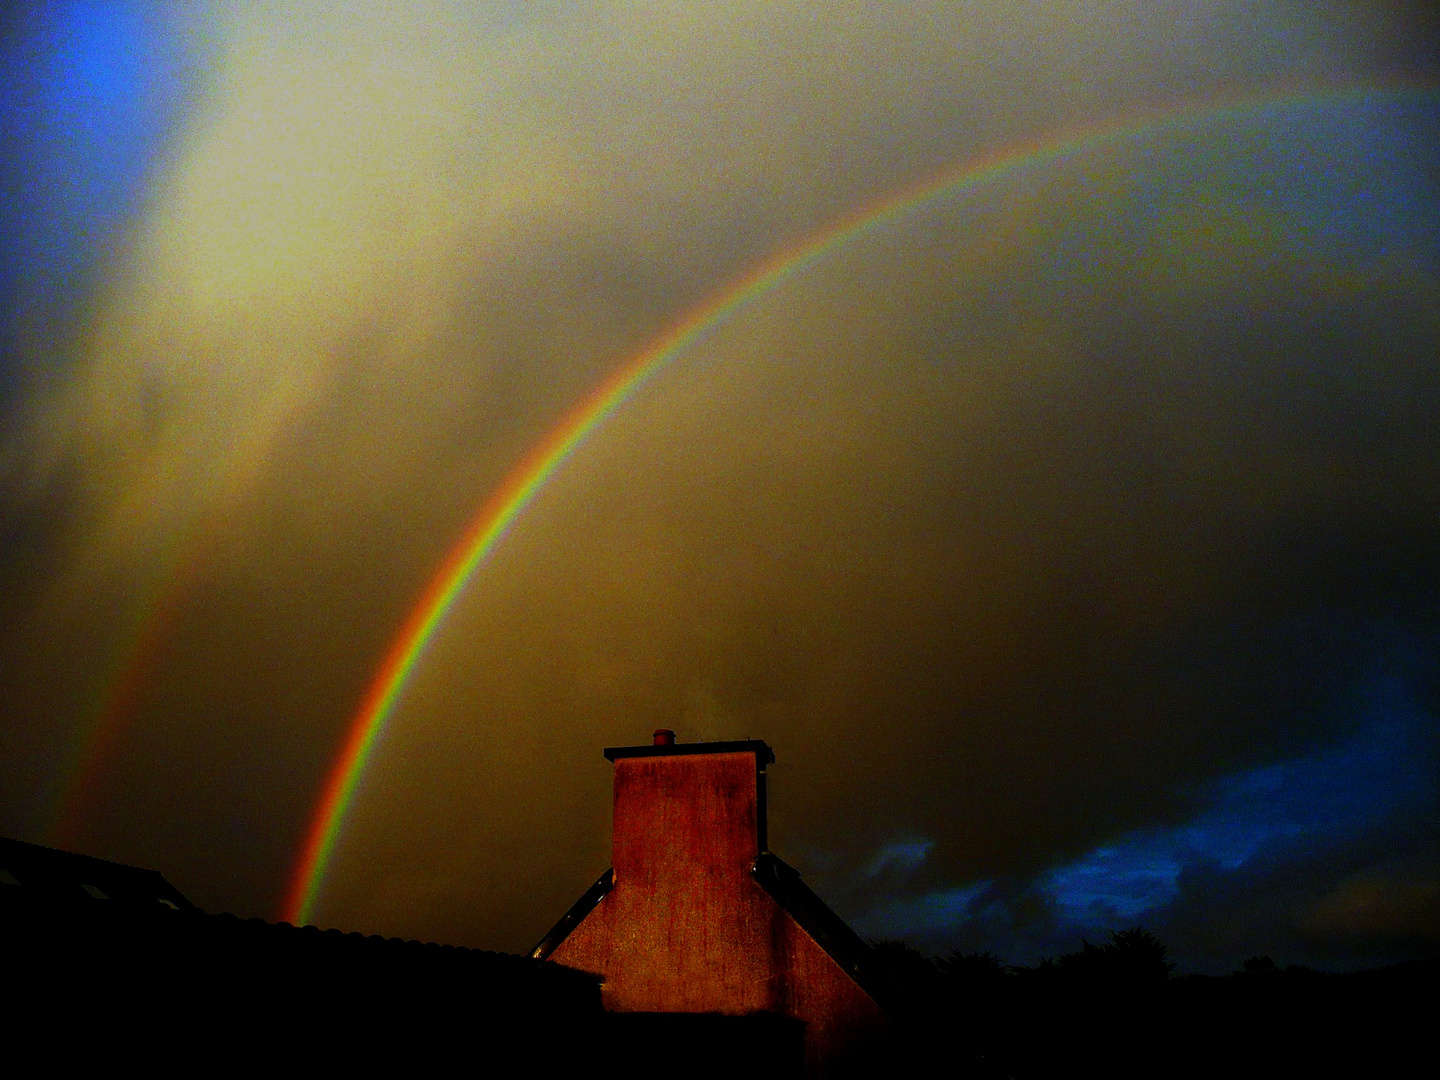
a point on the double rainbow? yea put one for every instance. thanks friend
(502, 509)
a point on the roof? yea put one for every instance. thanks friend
(763, 754)
(114, 975)
(784, 885)
(64, 911)
(69, 876)
(572, 918)
(832, 933)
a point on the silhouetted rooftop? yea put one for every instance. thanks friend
(66, 874)
(115, 955)
(832, 933)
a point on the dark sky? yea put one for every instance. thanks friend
(1074, 538)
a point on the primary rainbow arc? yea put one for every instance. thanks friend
(500, 511)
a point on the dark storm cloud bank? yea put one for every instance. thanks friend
(1255, 771)
(1326, 858)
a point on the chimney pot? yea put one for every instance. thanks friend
(664, 737)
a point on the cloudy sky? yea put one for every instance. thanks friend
(1072, 534)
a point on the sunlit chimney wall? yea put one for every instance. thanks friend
(684, 925)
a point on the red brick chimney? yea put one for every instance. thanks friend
(696, 915)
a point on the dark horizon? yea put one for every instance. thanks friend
(1117, 1005)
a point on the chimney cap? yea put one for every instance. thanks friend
(763, 754)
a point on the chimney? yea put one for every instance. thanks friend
(696, 915)
(688, 809)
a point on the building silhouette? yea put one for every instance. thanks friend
(698, 916)
(108, 964)
(699, 953)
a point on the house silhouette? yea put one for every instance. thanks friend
(698, 916)
(108, 964)
(701, 945)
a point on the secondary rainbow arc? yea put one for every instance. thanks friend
(500, 511)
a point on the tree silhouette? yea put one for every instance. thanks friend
(1132, 959)
(1116, 1009)
(1138, 956)
(907, 979)
(972, 969)
(1261, 965)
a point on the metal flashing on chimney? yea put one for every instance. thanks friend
(763, 754)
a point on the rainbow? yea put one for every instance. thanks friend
(155, 615)
(154, 618)
(502, 509)
(123, 695)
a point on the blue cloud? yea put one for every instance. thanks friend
(901, 856)
(924, 914)
(1267, 815)
(1259, 819)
